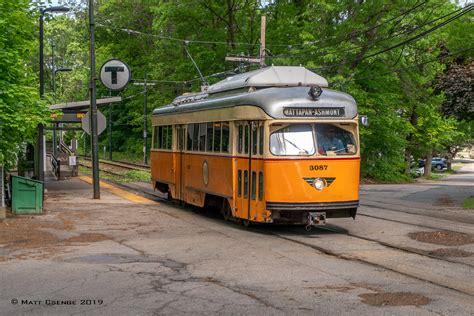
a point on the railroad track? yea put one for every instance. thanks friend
(326, 250)
(121, 164)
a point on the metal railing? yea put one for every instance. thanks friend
(63, 147)
(56, 166)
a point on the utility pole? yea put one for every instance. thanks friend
(110, 127)
(145, 85)
(251, 59)
(262, 41)
(93, 106)
(145, 160)
(53, 83)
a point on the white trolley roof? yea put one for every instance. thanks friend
(280, 91)
(274, 76)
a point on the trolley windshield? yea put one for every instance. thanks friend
(307, 139)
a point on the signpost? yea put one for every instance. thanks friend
(115, 74)
(101, 123)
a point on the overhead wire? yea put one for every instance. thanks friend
(409, 66)
(416, 6)
(405, 31)
(405, 42)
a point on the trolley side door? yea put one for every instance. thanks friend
(179, 174)
(248, 167)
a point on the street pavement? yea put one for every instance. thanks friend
(125, 255)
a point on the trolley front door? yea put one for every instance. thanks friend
(179, 174)
(249, 170)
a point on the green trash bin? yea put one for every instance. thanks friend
(27, 195)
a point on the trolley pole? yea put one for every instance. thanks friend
(93, 106)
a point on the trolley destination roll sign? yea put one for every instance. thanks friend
(313, 112)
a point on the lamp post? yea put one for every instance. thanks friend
(55, 71)
(40, 151)
(54, 92)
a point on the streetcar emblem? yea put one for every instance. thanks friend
(327, 181)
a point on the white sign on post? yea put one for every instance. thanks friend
(101, 123)
(72, 160)
(115, 74)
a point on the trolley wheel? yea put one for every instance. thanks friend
(245, 222)
(226, 211)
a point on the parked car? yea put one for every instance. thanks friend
(437, 163)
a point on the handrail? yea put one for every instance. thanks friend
(56, 166)
(64, 148)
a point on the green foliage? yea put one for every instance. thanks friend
(345, 41)
(468, 203)
(20, 108)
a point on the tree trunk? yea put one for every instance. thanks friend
(428, 159)
(2, 190)
(408, 162)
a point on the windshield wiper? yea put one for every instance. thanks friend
(294, 145)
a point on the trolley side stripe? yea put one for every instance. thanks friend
(260, 158)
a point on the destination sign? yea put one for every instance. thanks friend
(314, 112)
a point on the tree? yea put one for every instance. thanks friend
(20, 107)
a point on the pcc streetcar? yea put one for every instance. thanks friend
(273, 145)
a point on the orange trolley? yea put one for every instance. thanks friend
(274, 145)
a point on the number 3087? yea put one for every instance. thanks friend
(318, 167)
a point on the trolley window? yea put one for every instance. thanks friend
(190, 136)
(225, 137)
(241, 137)
(163, 137)
(217, 137)
(260, 140)
(334, 141)
(254, 185)
(260, 186)
(293, 140)
(202, 136)
(210, 137)
(246, 184)
(246, 139)
(303, 139)
(254, 139)
(239, 183)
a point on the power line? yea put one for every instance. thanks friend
(405, 31)
(416, 6)
(410, 66)
(180, 40)
(414, 38)
(186, 41)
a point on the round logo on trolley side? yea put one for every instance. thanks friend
(205, 172)
(115, 74)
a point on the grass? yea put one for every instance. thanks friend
(129, 176)
(436, 176)
(468, 203)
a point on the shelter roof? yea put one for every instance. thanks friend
(83, 105)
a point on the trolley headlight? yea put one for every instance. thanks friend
(319, 184)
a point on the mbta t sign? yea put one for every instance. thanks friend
(115, 74)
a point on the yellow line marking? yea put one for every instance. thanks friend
(120, 192)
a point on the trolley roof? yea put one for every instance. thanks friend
(282, 92)
(274, 76)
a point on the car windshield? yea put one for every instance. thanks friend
(295, 139)
(333, 140)
(303, 139)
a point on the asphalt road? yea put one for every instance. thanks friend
(121, 257)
